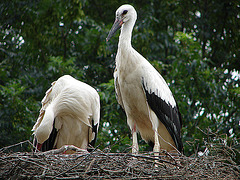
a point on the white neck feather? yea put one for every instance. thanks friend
(126, 33)
(44, 130)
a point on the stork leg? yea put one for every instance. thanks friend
(156, 148)
(135, 143)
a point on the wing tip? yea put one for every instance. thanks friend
(169, 115)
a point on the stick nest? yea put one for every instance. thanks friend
(104, 165)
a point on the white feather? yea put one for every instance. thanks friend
(73, 104)
(133, 76)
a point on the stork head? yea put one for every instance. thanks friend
(42, 133)
(124, 15)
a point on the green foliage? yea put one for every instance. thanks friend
(113, 127)
(204, 94)
(16, 114)
(194, 45)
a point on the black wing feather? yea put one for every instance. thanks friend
(169, 116)
(94, 130)
(48, 144)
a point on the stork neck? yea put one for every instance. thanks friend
(126, 34)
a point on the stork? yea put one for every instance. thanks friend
(142, 92)
(69, 115)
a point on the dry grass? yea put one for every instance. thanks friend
(102, 165)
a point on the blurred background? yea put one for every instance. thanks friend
(195, 45)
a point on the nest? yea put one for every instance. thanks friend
(104, 165)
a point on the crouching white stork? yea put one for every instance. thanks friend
(142, 92)
(69, 115)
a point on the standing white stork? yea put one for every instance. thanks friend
(142, 92)
(69, 115)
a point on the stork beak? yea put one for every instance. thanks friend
(39, 146)
(117, 24)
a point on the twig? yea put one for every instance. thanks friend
(21, 159)
(112, 171)
(100, 165)
(90, 165)
(75, 165)
(7, 147)
(153, 158)
(11, 170)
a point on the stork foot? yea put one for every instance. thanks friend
(135, 149)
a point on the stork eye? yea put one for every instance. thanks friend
(124, 12)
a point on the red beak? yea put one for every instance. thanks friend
(39, 146)
(117, 24)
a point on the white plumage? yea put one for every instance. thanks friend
(69, 115)
(142, 92)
